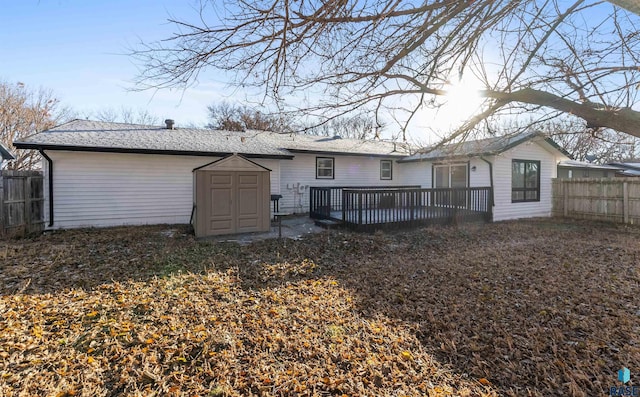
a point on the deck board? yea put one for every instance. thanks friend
(401, 215)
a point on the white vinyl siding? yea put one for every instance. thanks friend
(110, 189)
(504, 207)
(480, 175)
(414, 174)
(299, 174)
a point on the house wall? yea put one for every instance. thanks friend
(504, 209)
(420, 173)
(417, 173)
(109, 189)
(299, 174)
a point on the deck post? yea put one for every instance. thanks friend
(412, 204)
(311, 199)
(345, 206)
(454, 196)
(359, 208)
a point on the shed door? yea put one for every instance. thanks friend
(234, 202)
(221, 203)
(249, 208)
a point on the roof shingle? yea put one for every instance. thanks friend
(88, 135)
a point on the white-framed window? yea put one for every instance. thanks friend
(325, 167)
(450, 175)
(386, 169)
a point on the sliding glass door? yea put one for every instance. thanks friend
(450, 176)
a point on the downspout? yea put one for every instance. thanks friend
(491, 201)
(50, 174)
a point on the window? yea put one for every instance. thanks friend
(386, 169)
(585, 173)
(451, 176)
(525, 181)
(324, 168)
(447, 176)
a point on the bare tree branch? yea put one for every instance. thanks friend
(24, 112)
(541, 56)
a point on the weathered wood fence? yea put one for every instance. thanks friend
(21, 202)
(606, 199)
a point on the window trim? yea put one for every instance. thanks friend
(390, 177)
(333, 167)
(448, 166)
(526, 189)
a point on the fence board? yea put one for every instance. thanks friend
(605, 199)
(21, 202)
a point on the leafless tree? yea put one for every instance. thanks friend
(125, 115)
(355, 127)
(543, 57)
(24, 112)
(600, 145)
(232, 117)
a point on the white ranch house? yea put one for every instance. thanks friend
(100, 174)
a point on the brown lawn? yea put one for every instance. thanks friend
(534, 308)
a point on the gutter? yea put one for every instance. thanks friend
(50, 175)
(337, 153)
(103, 149)
(491, 201)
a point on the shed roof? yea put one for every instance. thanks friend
(633, 164)
(233, 162)
(582, 164)
(629, 172)
(5, 154)
(480, 147)
(87, 135)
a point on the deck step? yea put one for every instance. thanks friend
(327, 223)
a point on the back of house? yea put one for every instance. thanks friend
(100, 174)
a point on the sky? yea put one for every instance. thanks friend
(78, 49)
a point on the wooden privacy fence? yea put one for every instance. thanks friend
(21, 202)
(606, 199)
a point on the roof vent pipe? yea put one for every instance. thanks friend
(169, 123)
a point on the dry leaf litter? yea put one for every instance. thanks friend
(535, 308)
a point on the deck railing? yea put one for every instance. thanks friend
(323, 201)
(394, 207)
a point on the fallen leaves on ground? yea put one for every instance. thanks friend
(524, 308)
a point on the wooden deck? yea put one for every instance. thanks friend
(369, 209)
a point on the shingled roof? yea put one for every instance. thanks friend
(87, 135)
(481, 147)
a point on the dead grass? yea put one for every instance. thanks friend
(526, 308)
